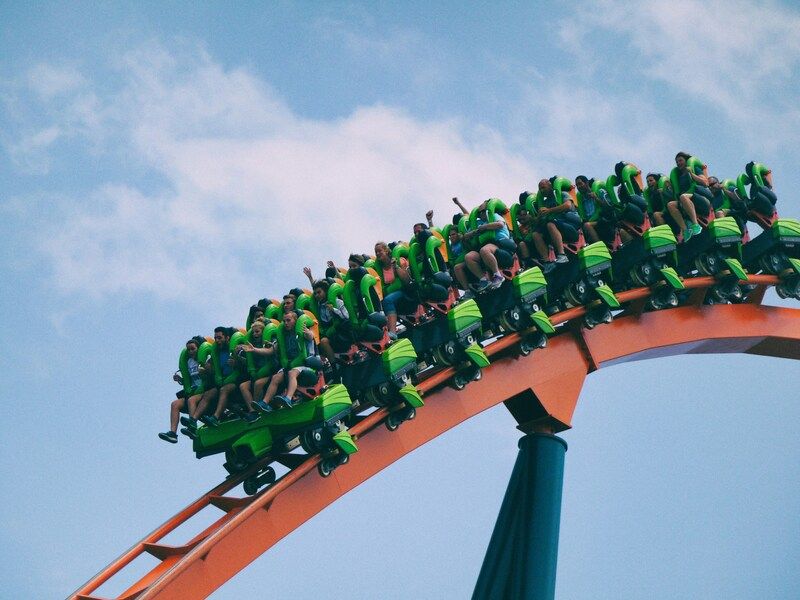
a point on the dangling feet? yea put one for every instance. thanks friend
(169, 436)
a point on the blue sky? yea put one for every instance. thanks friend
(162, 166)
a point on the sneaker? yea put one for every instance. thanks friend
(191, 433)
(263, 406)
(548, 266)
(561, 259)
(287, 402)
(210, 420)
(496, 281)
(392, 335)
(189, 422)
(696, 229)
(481, 286)
(250, 416)
(169, 436)
(468, 295)
(687, 234)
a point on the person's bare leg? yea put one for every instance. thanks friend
(523, 250)
(473, 262)
(276, 380)
(291, 384)
(555, 238)
(658, 217)
(202, 406)
(175, 413)
(460, 271)
(391, 323)
(590, 232)
(224, 394)
(326, 349)
(191, 403)
(672, 207)
(541, 246)
(247, 395)
(258, 388)
(489, 259)
(688, 206)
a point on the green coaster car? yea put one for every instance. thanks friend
(318, 422)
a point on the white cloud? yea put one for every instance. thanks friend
(737, 56)
(251, 191)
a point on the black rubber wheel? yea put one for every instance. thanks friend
(525, 348)
(459, 382)
(235, 464)
(576, 293)
(343, 458)
(477, 375)
(707, 264)
(411, 414)
(771, 263)
(325, 467)
(782, 291)
(392, 423)
(642, 274)
(311, 441)
(250, 486)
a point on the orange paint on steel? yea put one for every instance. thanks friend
(554, 374)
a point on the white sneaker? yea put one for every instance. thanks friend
(561, 259)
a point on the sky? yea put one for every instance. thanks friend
(164, 165)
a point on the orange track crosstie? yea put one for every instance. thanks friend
(541, 391)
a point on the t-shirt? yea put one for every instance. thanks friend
(194, 372)
(259, 359)
(224, 366)
(327, 316)
(388, 272)
(499, 234)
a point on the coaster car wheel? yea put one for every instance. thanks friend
(233, 463)
(575, 293)
(380, 395)
(459, 382)
(511, 320)
(642, 274)
(446, 354)
(251, 484)
(327, 465)
(707, 264)
(312, 441)
(393, 422)
(771, 263)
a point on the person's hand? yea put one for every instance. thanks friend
(231, 361)
(429, 216)
(329, 305)
(330, 264)
(248, 347)
(307, 271)
(544, 211)
(176, 377)
(455, 201)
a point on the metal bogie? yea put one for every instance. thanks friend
(252, 484)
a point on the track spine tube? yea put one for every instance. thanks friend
(521, 559)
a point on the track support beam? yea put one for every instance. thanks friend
(521, 558)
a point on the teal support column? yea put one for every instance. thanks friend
(521, 558)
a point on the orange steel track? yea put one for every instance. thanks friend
(541, 391)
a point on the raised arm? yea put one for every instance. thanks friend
(457, 202)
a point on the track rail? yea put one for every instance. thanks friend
(541, 391)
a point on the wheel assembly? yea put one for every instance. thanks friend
(311, 441)
(326, 467)
(233, 463)
(707, 264)
(459, 382)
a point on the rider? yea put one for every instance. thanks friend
(692, 202)
(292, 344)
(557, 217)
(254, 386)
(482, 262)
(396, 275)
(225, 380)
(333, 318)
(596, 211)
(189, 396)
